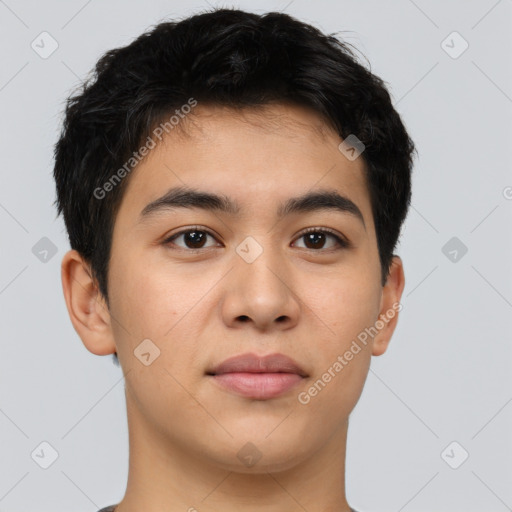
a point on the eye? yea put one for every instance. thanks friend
(193, 238)
(315, 239)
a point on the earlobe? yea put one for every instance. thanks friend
(86, 307)
(390, 306)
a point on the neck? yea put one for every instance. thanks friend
(163, 475)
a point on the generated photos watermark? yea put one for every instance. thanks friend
(137, 156)
(304, 397)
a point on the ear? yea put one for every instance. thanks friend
(389, 306)
(87, 308)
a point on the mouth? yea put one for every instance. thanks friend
(256, 377)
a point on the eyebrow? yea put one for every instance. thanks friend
(186, 197)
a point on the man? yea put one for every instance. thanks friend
(233, 186)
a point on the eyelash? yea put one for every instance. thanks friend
(342, 242)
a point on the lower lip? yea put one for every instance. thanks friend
(260, 386)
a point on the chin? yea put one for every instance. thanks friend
(259, 454)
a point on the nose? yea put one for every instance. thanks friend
(260, 293)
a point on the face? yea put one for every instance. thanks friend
(205, 284)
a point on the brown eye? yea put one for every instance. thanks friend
(315, 239)
(192, 239)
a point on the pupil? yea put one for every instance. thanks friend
(314, 238)
(196, 238)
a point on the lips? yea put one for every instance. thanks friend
(251, 363)
(259, 378)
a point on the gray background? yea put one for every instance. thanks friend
(446, 376)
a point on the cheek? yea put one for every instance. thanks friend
(356, 309)
(149, 302)
(342, 359)
(344, 306)
(344, 303)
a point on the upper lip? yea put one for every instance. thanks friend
(252, 363)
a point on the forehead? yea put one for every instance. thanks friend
(259, 157)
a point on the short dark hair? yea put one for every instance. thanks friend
(231, 58)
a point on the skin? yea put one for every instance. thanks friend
(201, 308)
